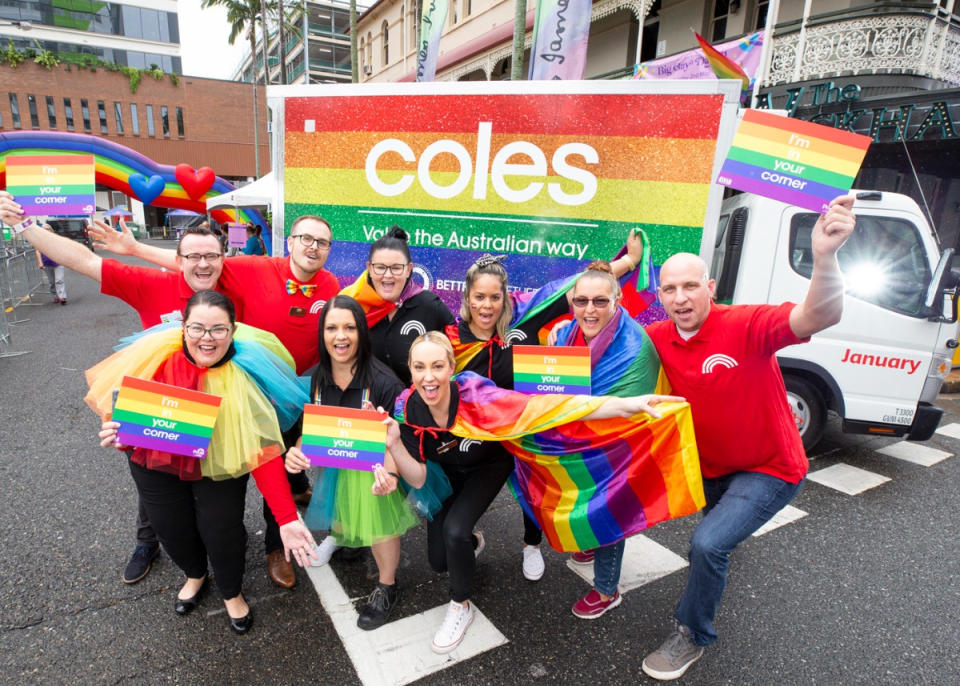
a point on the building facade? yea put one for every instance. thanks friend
(316, 45)
(131, 33)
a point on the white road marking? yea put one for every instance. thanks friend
(398, 652)
(643, 561)
(846, 478)
(788, 514)
(916, 453)
(951, 430)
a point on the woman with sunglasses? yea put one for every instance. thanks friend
(197, 505)
(344, 502)
(442, 409)
(623, 363)
(492, 317)
(398, 309)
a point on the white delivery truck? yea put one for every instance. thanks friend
(881, 368)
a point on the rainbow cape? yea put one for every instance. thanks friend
(373, 305)
(723, 66)
(592, 482)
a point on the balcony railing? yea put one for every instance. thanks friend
(886, 38)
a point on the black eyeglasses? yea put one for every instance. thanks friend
(195, 257)
(307, 241)
(217, 333)
(380, 269)
(582, 301)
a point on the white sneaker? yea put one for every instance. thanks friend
(324, 550)
(454, 626)
(533, 566)
(481, 544)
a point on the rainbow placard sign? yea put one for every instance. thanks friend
(551, 369)
(54, 185)
(792, 160)
(344, 438)
(159, 416)
(552, 174)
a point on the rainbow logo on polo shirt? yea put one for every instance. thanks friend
(55, 185)
(551, 369)
(792, 160)
(158, 416)
(343, 437)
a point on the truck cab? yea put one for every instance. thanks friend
(881, 368)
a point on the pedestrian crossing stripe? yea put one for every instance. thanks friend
(644, 561)
(916, 453)
(847, 478)
(787, 515)
(950, 430)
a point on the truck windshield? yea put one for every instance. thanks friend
(884, 261)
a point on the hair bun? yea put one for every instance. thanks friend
(397, 232)
(600, 266)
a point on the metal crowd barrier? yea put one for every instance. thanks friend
(19, 280)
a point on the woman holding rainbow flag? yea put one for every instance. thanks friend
(492, 318)
(441, 409)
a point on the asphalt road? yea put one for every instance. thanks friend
(865, 589)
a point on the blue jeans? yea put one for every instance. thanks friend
(606, 567)
(737, 505)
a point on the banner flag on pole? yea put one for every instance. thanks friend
(431, 25)
(560, 35)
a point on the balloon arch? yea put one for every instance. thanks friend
(123, 169)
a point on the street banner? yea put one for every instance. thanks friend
(344, 438)
(52, 185)
(792, 160)
(551, 369)
(693, 64)
(431, 26)
(236, 235)
(560, 34)
(552, 174)
(158, 416)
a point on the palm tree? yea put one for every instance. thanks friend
(243, 16)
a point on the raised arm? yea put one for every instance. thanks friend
(123, 242)
(631, 259)
(69, 253)
(413, 471)
(823, 305)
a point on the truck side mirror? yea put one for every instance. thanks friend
(944, 280)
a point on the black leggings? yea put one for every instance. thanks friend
(450, 540)
(195, 520)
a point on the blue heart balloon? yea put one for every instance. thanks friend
(147, 190)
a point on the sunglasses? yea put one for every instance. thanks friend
(599, 302)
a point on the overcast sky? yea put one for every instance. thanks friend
(203, 41)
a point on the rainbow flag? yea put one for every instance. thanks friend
(158, 416)
(590, 483)
(723, 66)
(375, 307)
(793, 161)
(639, 287)
(56, 185)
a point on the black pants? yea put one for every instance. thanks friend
(145, 533)
(196, 520)
(532, 535)
(450, 540)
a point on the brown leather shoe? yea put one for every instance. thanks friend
(280, 571)
(303, 499)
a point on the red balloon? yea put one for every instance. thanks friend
(194, 182)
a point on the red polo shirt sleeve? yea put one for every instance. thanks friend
(151, 292)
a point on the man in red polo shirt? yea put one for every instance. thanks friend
(722, 359)
(282, 295)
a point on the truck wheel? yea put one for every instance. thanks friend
(808, 408)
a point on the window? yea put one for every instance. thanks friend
(165, 121)
(413, 25)
(883, 261)
(761, 10)
(68, 113)
(34, 116)
(362, 53)
(180, 122)
(454, 12)
(467, 8)
(85, 113)
(14, 111)
(385, 35)
(718, 21)
(134, 121)
(150, 129)
(118, 115)
(51, 112)
(102, 110)
(369, 48)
